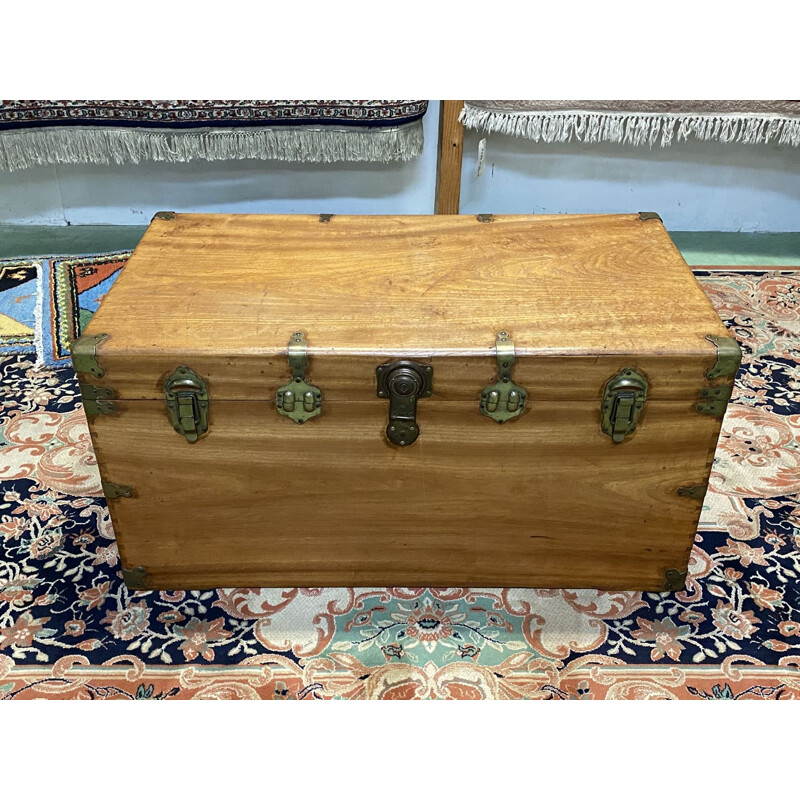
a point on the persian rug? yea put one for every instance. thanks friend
(69, 628)
(638, 122)
(36, 132)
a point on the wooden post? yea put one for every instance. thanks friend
(451, 145)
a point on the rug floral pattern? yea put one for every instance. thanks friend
(70, 629)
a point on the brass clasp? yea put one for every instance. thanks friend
(503, 400)
(299, 400)
(187, 403)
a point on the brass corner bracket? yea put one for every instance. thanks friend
(326, 217)
(164, 215)
(729, 356)
(113, 491)
(696, 492)
(674, 580)
(485, 217)
(645, 215)
(714, 399)
(135, 577)
(84, 354)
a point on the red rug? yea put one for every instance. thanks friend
(70, 629)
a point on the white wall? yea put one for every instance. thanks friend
(693, 185)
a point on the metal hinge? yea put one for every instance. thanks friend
(96, 399)
(696, 492)
(624, 397)
(135, 577)
(186, 394)
(674, 580)
(112, 491)
(714, 400)
(729, 356)
(503, 400)
(485, 217)
(84, 354)
(325, 217)
(299, 400)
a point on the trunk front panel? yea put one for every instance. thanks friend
(546, 500)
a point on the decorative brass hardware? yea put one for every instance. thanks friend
(503, 400)
(623, 400)
(325, 217)
(674, 580)
(485, 217)
(696, 492)
(403, 382)
(135, 577)
(187, 403)
(645, 215)
(84, 354)
(299, 400)
(96, 399)
(164, 215)
(113, 491)
(729, 356)
(714, 400)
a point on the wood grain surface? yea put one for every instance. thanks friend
(216, 289)
(546, 500)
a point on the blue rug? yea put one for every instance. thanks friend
(46, 302)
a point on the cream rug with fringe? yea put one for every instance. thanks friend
(638, 122)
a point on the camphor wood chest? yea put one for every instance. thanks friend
(406, 401)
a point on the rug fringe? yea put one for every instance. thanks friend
(635, 129)
(24, 148)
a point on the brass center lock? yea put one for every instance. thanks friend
(187, 403)
(403, 382)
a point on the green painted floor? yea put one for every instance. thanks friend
(698, 248)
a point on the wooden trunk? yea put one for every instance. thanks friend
(546, 499)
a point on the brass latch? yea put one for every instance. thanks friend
(623, 400)
(403, 382)
(503, 400)
(298, 399)
(187, 403)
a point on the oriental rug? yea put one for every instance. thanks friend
(34, 132)
(70, 629)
